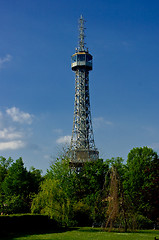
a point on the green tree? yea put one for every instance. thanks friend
(18, 187)
(35, 178)
(142, 181)
(69, 190)
(15, 188)
(16, 180)
(54, 197)
(89, 184)
(4, 166)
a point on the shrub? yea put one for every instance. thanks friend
(143, 222)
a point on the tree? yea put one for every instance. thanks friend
(18, 187)
(91, 178)
(142, 181)
(113, 198)
(54, 197)
(119, 207)
(88, 186)
(16, 180)
(69, 190)
(35, 179)
(15, 188)
(53, 201)
(4, 166)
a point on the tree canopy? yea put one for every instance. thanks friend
(17, 186)
(111, 192)
(142, 180)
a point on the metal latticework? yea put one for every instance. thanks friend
(81, 43)
(82, 147)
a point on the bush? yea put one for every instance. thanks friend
(143, 222)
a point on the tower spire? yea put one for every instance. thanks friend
(81, 46)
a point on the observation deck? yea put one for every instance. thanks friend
(81, 60)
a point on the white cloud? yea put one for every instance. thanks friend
(12, 145)
(101, 122)
(19, 116)
(10, 134)
(64, 139)
(5, 59)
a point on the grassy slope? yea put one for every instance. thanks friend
(92, 234)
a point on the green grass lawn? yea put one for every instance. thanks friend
(91, 234)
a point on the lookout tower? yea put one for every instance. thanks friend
(82, 147)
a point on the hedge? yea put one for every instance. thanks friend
(25, 223)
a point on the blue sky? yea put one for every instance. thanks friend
(37, 84)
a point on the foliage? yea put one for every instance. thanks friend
(53, 198)
(4, 165)
(143, 222)
(53, 201)
(35, 178)
(82, 214)
(119, 211)
(110, 192)
(16, 180)
(142, 181)
(65, 190)
(17, 186)
(99, 192)
(89, 184)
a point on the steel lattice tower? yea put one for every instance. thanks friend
(82, 147)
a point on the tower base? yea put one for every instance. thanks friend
(79, 156)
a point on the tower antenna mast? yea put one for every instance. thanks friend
(81, 47)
